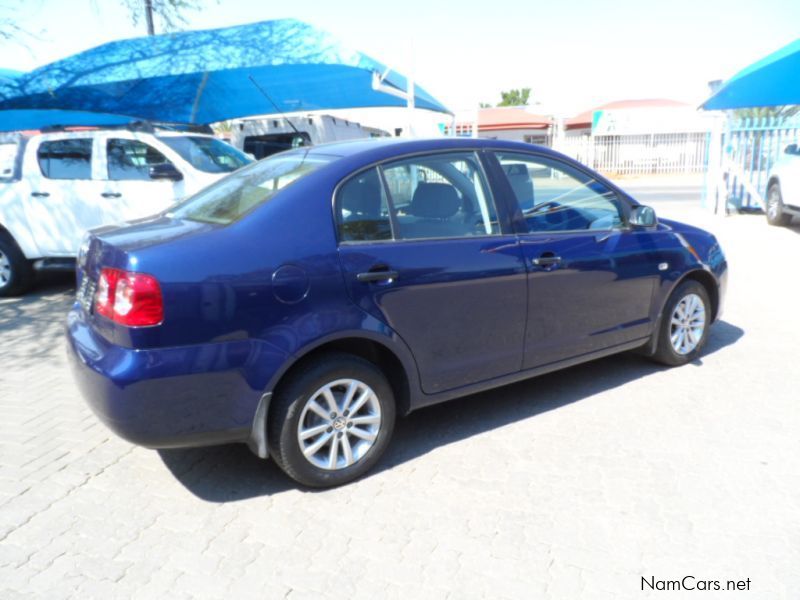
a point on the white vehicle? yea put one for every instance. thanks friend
(783, 189)
(266, 135)
(56, 186)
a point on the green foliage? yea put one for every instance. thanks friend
(515, 97)
(776, 112)
(485, 105)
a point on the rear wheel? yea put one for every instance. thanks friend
(684, 325)
(331, 421)
(775, 213)
(16, 274)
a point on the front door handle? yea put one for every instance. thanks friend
(373, 276)
(111, 195)
(546, 260)
(40, 194)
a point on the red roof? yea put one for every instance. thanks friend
(584, 119)
(497, 119)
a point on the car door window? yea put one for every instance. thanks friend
(554, 196)
(440, 196)
(131, 159)
(66, 159)
(362, 209)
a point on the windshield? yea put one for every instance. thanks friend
(206, 153)
(230, 198)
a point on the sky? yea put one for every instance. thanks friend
(573, 54)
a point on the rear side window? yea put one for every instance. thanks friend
(362, 211)
(440, 196)
(66, 159)
(131, 159)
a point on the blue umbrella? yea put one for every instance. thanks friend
(202, 77)
(772, 81)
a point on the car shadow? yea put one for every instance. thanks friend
(230, 473)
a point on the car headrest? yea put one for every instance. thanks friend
(521, 183)
(362, 197)
(435, 201)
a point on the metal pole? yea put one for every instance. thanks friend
(148, 15)
(411, 105)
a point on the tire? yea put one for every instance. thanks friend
(16, 273)
(291, 412)
(671, 351)
(775, 213)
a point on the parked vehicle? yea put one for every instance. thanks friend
(303, 302)
(56, 186)
(783, 188)
(268, 135)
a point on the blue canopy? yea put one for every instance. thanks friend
(202, 77)
(771, 81)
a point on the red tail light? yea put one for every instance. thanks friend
(131, 299)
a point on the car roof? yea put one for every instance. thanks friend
(397, 146)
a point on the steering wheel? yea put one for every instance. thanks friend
(543, 207)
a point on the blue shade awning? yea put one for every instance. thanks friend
(20, 120)
(771, 81)
(202, 77)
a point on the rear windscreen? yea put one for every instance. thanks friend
(230, 198)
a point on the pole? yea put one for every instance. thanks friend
(148, 15)
(411, 104)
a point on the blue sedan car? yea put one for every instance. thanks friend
(301, 303)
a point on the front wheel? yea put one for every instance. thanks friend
(775, 213)
(683, 330)
(331, 421)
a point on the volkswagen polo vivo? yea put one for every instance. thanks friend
(301, 303)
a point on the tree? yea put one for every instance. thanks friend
(170, 13)
(777, 112)
(484, 105)
(515, 97)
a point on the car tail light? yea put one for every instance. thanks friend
(131, 299)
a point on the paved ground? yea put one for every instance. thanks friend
(573, 485)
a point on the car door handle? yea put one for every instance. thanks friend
(373, 276)
(544, 261)
(40, 194)
(111, 195)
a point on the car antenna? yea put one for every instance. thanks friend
(260, 89)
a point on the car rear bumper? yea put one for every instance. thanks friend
(167, 397)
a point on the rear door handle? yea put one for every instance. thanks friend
(544, 261)
(111, 195)
(40, 194)
(373, 276)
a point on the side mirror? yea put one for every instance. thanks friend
(165, 171)
(643, 216)
(791, 149)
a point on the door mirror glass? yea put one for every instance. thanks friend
(792, 149)
(643, 216)
(165, 171)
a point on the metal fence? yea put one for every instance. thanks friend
(653, 153)
(749, 149)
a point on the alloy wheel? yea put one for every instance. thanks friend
(773, 203)
(339, 424)
(5, 270)
(687, 324)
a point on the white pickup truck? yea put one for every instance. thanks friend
(56, 186)
(783, 187)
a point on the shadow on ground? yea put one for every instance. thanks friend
(229, 473)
